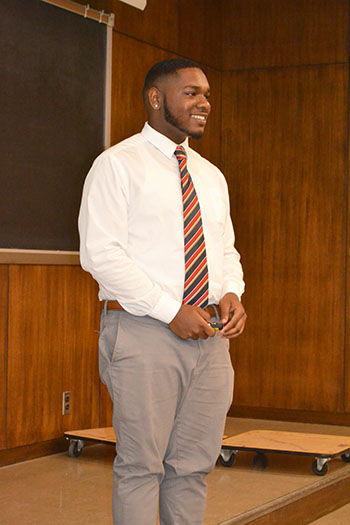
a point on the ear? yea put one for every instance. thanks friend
(154, 98)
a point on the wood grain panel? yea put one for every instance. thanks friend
(35, 355)
(131, 61)
(80, 365)
(209, 146)
(189, 28)
(347, 285)
(52, 348)
(265, 33)
(106, 407)
(284, 140)
(3, 351)
(156, 25)
(200, 31)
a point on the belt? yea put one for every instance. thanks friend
(212, 309)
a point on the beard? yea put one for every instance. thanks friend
(171, 119)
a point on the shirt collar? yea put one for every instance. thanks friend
(161, 142)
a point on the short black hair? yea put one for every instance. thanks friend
(164, 68)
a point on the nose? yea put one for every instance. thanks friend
(203, 103)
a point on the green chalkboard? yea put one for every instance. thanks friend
(52, 89)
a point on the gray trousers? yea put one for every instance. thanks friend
(170, 399)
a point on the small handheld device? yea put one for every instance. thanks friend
(217, 325)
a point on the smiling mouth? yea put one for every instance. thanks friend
(200, 118)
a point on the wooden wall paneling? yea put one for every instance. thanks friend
(284, 137)
(53, 338)
(347, 287)
(200, 31)
(131, 61)
(106, 407)
(35, 354)
(3, 351)
(209, 146)
(80, 364)
(156, 25)
(266, 33)
(190, 28)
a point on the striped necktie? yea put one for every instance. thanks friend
(196, 268)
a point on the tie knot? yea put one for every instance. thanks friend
(180, 153)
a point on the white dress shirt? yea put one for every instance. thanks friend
(131, 226)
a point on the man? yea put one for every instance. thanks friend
(157, 236)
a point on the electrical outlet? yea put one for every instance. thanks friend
(66, 403)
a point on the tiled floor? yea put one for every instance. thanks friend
(61, 490)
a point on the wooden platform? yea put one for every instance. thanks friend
(317, 496)
(99, 435)
(306, 504)
(289, 443)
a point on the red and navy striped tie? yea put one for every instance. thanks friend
(196, 268)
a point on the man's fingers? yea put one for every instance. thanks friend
(209, 331)
(225, 314)
(204, 314)
(192, 323)
(235, 327)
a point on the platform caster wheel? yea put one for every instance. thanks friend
(75, 448)
(346, 457)
(227, 458)
(319, 469)
(260, 460)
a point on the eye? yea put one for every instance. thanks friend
(191, 93)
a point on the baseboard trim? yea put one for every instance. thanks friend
(35, 450)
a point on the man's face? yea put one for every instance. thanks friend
(185, 104)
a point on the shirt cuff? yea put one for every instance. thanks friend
(231, 287)
(166, 309)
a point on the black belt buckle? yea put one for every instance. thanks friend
(216, 321)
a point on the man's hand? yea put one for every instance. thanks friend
(192, 322)
(233, 316)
